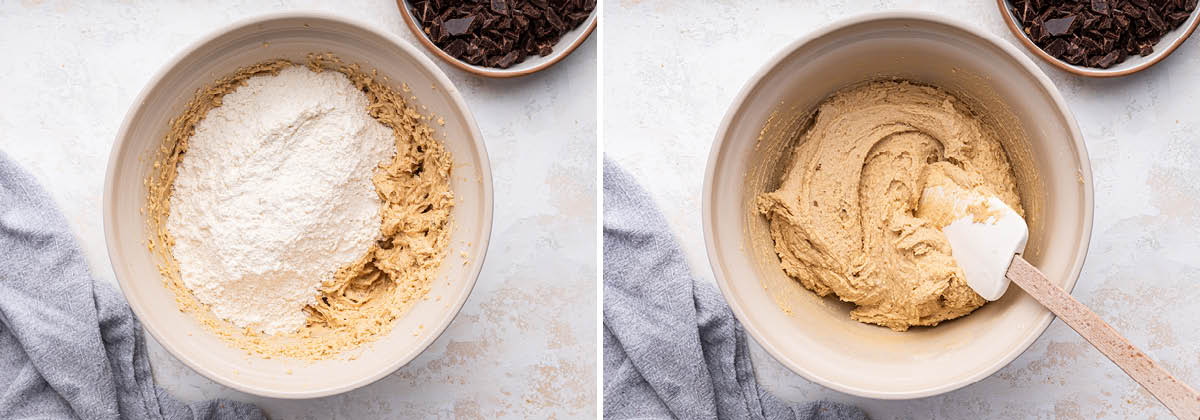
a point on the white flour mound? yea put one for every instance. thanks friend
(274, 195)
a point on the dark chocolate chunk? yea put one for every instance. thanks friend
(577, 18)
(1060, 26)
(1088, 43)
(531, 11)
(456, 27)
(507, 60)
(1057, 48)
(1177, 18)
(1156, 20)
(500, 6)
(555, 21)
(456, 48)
(1106, 45)
(488, 44)
(1107, 60)
(437, 33)
(499, 33)
(1122, 23)
(1038, 34)
(1145, 50)
(1132, 11)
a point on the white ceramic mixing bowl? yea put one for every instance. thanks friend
(815, 337)
(291, 36)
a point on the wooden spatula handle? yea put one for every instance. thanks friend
(1183, 401)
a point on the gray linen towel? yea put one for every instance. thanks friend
(672, 348)
(69, 346)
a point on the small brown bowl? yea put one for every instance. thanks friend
(1131, 65)
(532, 64)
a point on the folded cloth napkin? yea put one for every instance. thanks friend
(69, 346)
(672, 348)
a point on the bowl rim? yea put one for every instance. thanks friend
(411, 23)
(715, 155)
(1011, 23)
(117, 155)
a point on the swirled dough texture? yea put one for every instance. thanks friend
(848, 217)
(362, 301)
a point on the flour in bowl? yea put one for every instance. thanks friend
(275, 195)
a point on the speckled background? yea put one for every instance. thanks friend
(671, 69)
(524, 344)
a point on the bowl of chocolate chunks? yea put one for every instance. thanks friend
(500, 38)
(1101, 38)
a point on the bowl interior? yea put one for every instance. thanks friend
(533, 63)
(816, 337)
(1133, 63)
(293, 37)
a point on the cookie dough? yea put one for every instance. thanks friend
(363, 299)
(848, 217)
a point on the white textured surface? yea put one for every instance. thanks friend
(673, 66)
(524, 344)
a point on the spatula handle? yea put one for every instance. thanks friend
(1180, 398)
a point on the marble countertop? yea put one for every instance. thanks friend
(524, 346)
(671, 69)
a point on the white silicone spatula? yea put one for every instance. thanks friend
(987, 244)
